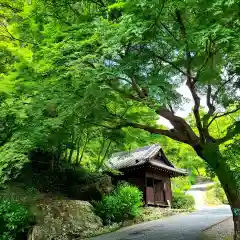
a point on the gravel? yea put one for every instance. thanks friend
(221, 231)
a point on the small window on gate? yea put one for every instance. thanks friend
(149, 182)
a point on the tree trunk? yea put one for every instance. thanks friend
(70, 155)
(227, 178)
(236, 220)
(78, 150)
(65, 154)
(105, 155)
(230, 187)
(83, 150)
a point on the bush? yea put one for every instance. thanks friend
(180, 184)
(220, 194)
(14, 220)
(216, 195)
(65, 179)
(211, 198)
(124, 203)
(181, 200)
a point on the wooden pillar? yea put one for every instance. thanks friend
(145, 188)
(154, 190)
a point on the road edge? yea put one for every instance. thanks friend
(215, 224)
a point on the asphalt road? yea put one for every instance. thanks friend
(179, 227)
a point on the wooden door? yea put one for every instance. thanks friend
(159, 192)
(149, 191)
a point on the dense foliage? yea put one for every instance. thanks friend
(14, 220)
(123, 203)
(180, 184)
(67, 91)
(64, 179)
(180, 200)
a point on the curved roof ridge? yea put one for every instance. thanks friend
(142, 156)
(131, 158)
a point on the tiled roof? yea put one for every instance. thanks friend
(129, 159)
(157, 163)
(150, 154)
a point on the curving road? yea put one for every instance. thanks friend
(179, 227)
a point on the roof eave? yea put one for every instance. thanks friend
(175, 172)
(179, 174)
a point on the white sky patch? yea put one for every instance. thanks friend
(185, 109)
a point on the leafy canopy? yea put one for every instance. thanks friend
(76, 74)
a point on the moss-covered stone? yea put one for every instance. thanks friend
(95, 190)
(64, 219)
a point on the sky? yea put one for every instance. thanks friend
(185, 109)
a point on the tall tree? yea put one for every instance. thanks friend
(153, 47)
(159, 45)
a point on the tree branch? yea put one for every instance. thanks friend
(180, 126)
(171, 108)
(232, 132)
(209, 91)
(221, 86)
(17, 39)
(99, 2)
(153, 130)
(190, 78)
(170, 33)
(196, 107)
(136, 87)
(55, 15)
(201, 68)
(209, 54)
(224, 114)
(172, 64)
(75, 11)
(126, 94)
(211, 108)
(182, 131)
(7, 5)
(11, 37)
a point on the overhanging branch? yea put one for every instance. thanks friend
(209, 52)
(137, 88)
(223, 114)
(220, 87)
(11, 37)
(171, 64)
(232, 132)
(169, 32)
(7, 5)
(173, 134)
(180, 126)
